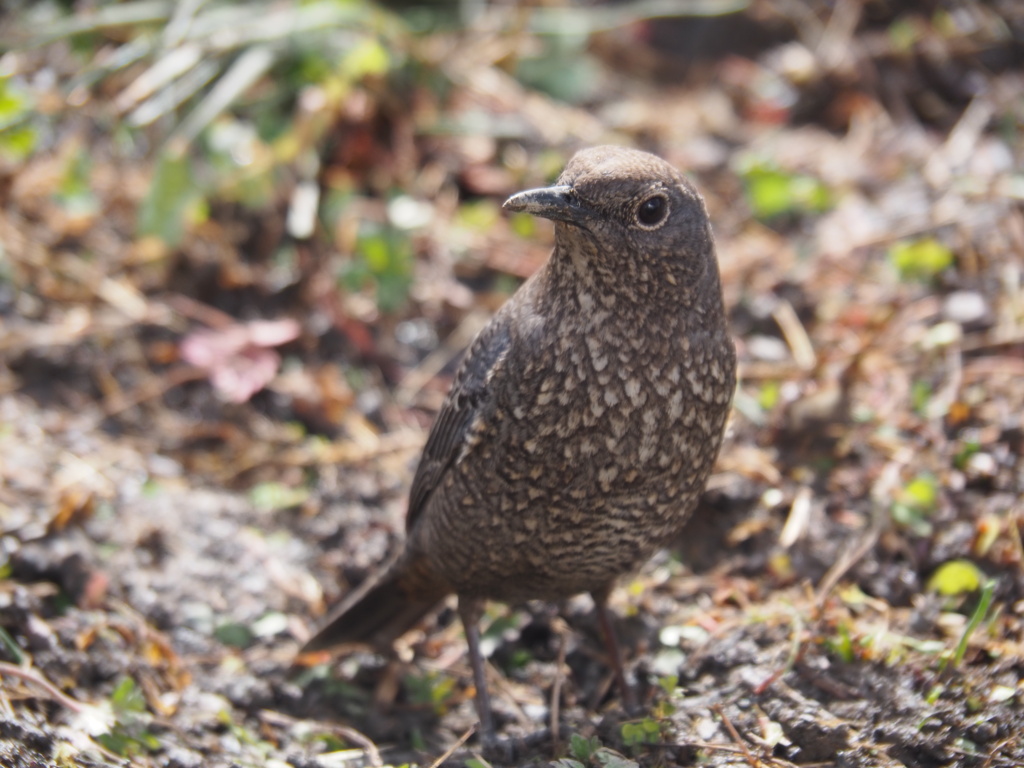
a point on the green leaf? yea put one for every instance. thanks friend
(903, 34)
(608, 758)
(569, 76)
(668, 683)
(920, 396)
(234, 634)
(15, 103)
(127, 744)
(164, 211)
(911, 519)
(963, 456)
(583, 749)
(367, 57)
(383, 260)
(6, 641)
(416, 740)
(519, 658)
(241, 163)
(273, 496)
(17, 143)
(772, 192)
(920, 259)
(915, 502)
(431, 689)
(523, 224)
(478, 215)
(842, 644)
(376, 254)
(127, 697)
(956, 577)
(921, 493)
(768, 396)
(988, 591)
(74, 194)
(642, 732)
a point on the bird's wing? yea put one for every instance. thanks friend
(470, 392)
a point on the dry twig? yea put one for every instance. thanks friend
(717, 709)
(345, 732)
(451, 750)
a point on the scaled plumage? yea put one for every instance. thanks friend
(582, 426)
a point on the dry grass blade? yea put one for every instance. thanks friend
(106, 17)
(881, 494)
(871, 232)
(799, 518)
(452, 749)
(345, 732)
(588, 20)
(796, 335)
(107, 62)
(245, 71)
(168, 99)
(163, 71)
(33, 677)
(232, 27)
(182, 20)
(753, 761)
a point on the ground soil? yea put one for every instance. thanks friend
(164, 552)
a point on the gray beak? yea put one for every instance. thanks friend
(557, 203)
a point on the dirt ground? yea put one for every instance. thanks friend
(172, 526)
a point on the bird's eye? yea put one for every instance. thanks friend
(652, 211)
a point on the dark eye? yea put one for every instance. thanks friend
(652, 211)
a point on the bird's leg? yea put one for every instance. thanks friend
(611, 644)
(470, 612)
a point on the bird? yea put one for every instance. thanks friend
(582, 424)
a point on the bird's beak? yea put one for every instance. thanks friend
(558, 203)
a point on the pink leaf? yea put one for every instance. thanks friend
(237, 357)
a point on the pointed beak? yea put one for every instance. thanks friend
(558, 203)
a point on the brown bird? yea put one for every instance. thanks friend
(583, 423)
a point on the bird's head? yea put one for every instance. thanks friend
(628, 215)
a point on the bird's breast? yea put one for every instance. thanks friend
(615, 416)
(590, 454)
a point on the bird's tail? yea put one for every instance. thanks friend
(382, 610)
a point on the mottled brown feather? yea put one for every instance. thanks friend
(582, 426)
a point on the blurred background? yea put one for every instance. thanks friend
(244, 244)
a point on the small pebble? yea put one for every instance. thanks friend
(965, 307)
